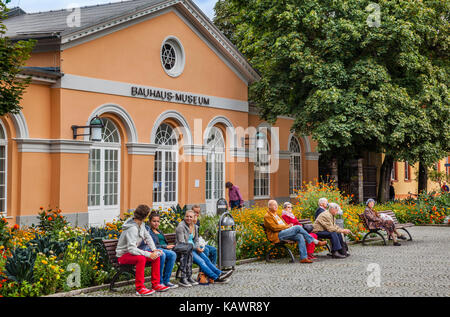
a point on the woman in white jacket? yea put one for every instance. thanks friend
(127, 251)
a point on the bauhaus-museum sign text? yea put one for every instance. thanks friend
(171, 96)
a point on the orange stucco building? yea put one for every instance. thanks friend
(172, 94)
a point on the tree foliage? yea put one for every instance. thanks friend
(12, 57)
(356, 75)
(350, 83)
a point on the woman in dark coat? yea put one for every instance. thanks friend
(376, 222)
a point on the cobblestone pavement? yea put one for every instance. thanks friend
(417, 268)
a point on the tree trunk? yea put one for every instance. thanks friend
(423, 178)
(360, 181)
(385, 179)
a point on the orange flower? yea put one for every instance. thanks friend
(50, 219)
(16, 226)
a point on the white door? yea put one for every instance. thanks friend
(215, 169)
(104, 177)
(166, 168)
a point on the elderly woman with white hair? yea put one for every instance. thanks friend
(325, 227)
(376, 221)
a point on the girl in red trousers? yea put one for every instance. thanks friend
(127, 251)
(289, 217)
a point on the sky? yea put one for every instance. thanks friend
(207, 6)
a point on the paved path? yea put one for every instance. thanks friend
(417, 268)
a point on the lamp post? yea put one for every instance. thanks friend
(95, 129)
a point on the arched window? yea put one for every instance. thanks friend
(104, 176)
(295, 166)
(165, 170)
(261, 184)
(215, 169)
(3, 169)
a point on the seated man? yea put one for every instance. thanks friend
(209, 250)
(278, 230)
(325, 227)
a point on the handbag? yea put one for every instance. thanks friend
(308, 228)
(202, 279)
(183, 247)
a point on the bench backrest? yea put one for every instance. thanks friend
(305, 222)
(363, 220)
(110, 247)
(170, 237)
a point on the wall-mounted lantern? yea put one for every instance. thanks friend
(95, 129)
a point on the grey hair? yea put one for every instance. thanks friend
(370, 200)
(322, 200)
(286, 204)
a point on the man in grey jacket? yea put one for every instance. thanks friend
(127, 251)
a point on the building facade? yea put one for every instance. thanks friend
(172, 94)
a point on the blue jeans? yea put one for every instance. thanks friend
(336, 239)
(211, 253)
(235, 204)
(167, 262)
(205, 265)
(297, 233)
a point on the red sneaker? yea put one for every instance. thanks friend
(311, 257)
(145, 291)
(160, 288)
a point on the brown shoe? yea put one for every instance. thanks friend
(322, 243)
(306, 261)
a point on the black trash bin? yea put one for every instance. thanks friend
(227, 242)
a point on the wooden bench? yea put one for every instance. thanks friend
(398, 225)
(282, 245)
(110, 247)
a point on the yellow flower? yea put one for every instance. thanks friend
(44, 262)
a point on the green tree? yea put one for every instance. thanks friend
(13, 55)
(356, 75)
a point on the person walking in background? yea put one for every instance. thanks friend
(445, 188)
(168, 257)
(290, 218)
(278, 230)
(323, 205)
(234, 196)
(127, 251)
(391, 191)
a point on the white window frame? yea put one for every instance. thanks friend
(292, 157)
(163, 149)
(107, 210)
(180, 57)
(4, 142)
(215, 156)
(406, 173)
